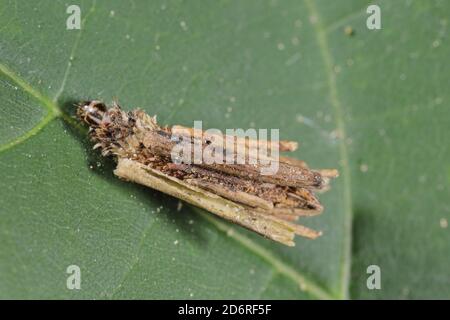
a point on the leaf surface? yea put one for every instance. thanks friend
(374, 104)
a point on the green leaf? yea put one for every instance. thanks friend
(374, 104)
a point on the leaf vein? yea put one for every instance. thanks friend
(281, 267)
(321, 35)
(134, 263)
(72, 53)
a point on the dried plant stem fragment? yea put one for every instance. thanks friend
(270, 227)
(282, 145)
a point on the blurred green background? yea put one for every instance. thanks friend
(372, 103)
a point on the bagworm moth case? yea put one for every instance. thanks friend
(238, 192)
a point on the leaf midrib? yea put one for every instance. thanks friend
(322, 41)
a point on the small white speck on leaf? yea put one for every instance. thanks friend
(313, 19)
(348, 30)
(183, 25)
(436, 43)
(230, 232)
(337, 69)
(443, 223)
(438, 100)
(335, 134)
(303, 286)
(179, 206)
